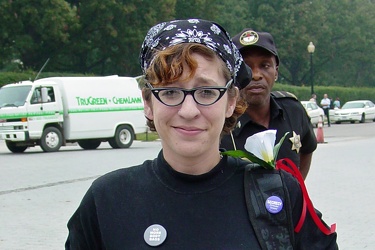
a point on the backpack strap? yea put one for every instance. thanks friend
(263, 189)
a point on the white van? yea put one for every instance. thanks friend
(51, 112)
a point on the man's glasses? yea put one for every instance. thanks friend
(204, 96)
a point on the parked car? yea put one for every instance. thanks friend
(352, 111)
(314, 111)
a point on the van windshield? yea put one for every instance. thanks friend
(13, 96)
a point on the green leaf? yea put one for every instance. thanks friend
(278, 145)
(249, 156)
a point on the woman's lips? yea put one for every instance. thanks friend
(188, 130)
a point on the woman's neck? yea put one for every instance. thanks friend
(194, 164)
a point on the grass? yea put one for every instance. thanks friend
(150, 136)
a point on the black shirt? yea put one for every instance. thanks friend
(287, 115)
(205, 211)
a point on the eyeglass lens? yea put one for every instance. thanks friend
(175, 96)
(204, 96)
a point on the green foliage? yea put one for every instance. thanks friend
(110, 34)
(342, 31)
(34, 30)
(149, 136)
(13, 77)
(104, 37)
(345, 94)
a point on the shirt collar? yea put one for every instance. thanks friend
(275, 109)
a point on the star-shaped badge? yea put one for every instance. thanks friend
(296, 142)
(238, 124)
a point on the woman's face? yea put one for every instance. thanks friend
(190, 129)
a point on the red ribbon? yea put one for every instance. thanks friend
(306, 199)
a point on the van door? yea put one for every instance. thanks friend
(43, 111)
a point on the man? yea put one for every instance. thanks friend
(279, 110)
(326, 104)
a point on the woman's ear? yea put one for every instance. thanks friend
(147, 104)
(232, 101)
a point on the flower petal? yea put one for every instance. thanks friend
(261, 145)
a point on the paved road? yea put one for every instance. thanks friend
(341, 181)
(40, 191)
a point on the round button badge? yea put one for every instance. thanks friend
(274, 204)
(155, 235)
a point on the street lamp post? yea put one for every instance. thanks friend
(311, 49)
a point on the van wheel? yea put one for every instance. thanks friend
(89, 144)
(124, 137)
(12, 146)
(363, 118)
(51, 140)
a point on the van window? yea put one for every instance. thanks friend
(13, 96)
(37, 96)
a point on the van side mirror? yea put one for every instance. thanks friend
(44, 94)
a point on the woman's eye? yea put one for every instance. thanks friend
(207, 93)
(170, 93)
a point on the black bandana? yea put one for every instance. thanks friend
(210, 34)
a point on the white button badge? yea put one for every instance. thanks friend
(155, 235)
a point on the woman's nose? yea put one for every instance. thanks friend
(189, 108)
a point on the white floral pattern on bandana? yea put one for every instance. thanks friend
(204, 32)
(192, 36)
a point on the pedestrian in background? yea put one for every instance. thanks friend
(336, 103)
(325, 103)
(313, 98)
(277, 110)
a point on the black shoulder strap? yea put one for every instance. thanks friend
(273, 230)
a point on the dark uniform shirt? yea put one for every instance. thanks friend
(287, 115)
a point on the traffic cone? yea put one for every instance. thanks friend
(319, 132)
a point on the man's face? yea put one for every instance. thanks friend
(265, 72)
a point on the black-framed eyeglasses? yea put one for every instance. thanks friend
(204, 96)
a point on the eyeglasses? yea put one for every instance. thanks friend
(204, 96)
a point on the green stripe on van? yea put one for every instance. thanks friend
(29, 114)
(70, 111)
(102, 109)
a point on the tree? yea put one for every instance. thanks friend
(332, 26)
(8, 26)
(104, 37)
(110, 42)
(349, 46)
(35, 30)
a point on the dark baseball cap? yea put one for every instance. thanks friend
(249, 37)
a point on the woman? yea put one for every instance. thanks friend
(189, 197)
